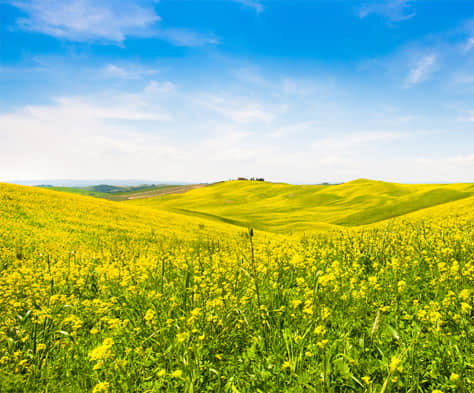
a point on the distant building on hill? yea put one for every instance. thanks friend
(252, 178)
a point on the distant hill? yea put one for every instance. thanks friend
(285, 208)
(121, 193)
(91, 182)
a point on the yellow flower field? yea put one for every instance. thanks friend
(100, 296)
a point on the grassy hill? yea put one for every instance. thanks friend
(288, 208)
(85, 221)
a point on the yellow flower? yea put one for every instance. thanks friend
(101, 387)
(296, 303)
(149, 315)
(321, 344)
(401, 286)
(103, 351)
(394, 363)
(286, 364)
(465, 307)
(464, 294)
(182, 336)
(454, 377)
(319, 330)
(177, 374)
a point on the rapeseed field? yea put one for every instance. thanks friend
(99, 296)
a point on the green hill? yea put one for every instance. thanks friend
(286, 208)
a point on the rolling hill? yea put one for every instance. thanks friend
(286, 208)
(84, 221)
(122, 193)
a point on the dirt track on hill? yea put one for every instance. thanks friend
(167, 191)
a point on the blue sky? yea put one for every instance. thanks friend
(301, 91)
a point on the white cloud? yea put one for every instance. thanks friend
(394, 10)
(469, 44)
(84, 20)
(128, 71)
(80, 110)
(235, 109)
(160, 87)
(184, 37)
(423, 69)
(358, 139)
(463, 78)
(469, 116)
(104, 21)
(449, 168)
(296, 129)
(84, 136)
(255, 4)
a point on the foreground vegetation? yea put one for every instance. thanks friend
(102, 296)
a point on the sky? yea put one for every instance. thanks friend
(299, 91)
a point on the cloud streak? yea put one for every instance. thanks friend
(255, 4)
(393, 10)
(85, 20)
(105, 21)
(423, 69)
(128, 71)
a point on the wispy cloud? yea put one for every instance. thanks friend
(468, 116)
(105, 21)
(185, 37)
(393, 10)
(255, 4)
(84, 20)
(129, 71)
(356, 139)
(469, 44)
(423, 69)
(239, 111)
(463, 78)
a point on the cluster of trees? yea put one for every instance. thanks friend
(252, 178)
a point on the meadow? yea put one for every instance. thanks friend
(239, 287)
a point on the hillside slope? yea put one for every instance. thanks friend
(122, 193)
(288, 208)
(84, 222)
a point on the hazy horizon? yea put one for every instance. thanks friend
(137, 182)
